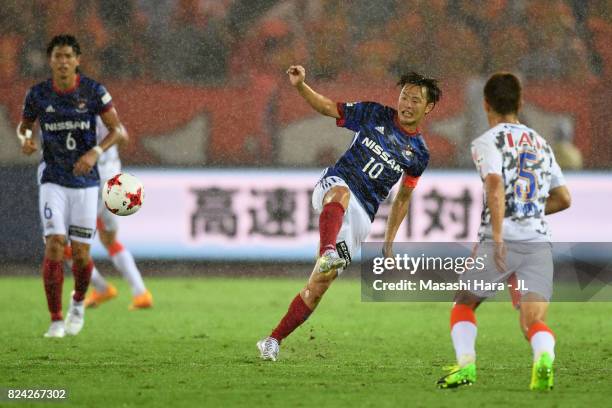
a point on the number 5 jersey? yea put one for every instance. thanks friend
(529, 170)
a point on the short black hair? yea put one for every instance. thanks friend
(503, 93)
(414, 78)
(64, 40)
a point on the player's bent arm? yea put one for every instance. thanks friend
(320, 103)
(24, 126)
(494, 187)
(399, 209)
(558, 199)
(24, 134)
(116, 131)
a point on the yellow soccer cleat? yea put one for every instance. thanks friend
(542, 374)
(95, 298)
(142, 301)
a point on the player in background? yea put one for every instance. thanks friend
(387, 147)
(522, 183)
(109, 165)
(66, 106)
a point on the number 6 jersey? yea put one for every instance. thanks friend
(529, 170)
(381, 152)
(68, 127)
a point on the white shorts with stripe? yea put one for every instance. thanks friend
(356, 223)
(68, 211)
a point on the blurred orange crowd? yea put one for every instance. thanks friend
(211, 42)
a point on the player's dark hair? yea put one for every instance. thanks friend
(413, 78)
(503, 93)
(64, 40)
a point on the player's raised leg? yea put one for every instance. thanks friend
(463, 334)
(335, 203)
(53, 278)
(101, 290)
(300, 309)
(542, 339)
(124, 262)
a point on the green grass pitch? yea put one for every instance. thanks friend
(197, 348)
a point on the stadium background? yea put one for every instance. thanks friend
(201, 84)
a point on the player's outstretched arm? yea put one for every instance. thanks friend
(24, 134)
(494, 187)
(399, 209)
(559, 199)
(116, 133)
(320, 103)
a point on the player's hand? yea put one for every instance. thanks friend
(500, 256)
(297, 74)
(85, 163)
(29, 147)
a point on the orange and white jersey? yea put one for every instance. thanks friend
(109, 163)
(529, 170)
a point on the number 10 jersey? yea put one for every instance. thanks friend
(380, 154)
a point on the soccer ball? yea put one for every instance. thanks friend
(123, 194)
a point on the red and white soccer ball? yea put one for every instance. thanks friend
(123, 194)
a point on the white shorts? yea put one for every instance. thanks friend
(355, 225)
(531, 262)
(68, 211)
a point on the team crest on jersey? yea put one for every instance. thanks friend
(81, 105)
(408, 153)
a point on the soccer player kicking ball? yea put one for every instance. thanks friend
(66, 107)
(522, 184)
(109, 164)
(387, 147)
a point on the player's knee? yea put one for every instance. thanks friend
(107, 238)
(54, 247)
(80, 256)
(340, 194)
(468, 299)
(531, 316)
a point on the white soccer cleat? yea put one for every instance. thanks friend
(75, 317)
(330, 260)
(56, 329)
(268, 348)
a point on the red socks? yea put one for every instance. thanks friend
(53, 278)
(115, 248)
(462, 313)
(538, 326)
(296, 315)
(81, 280)
(330, 222)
